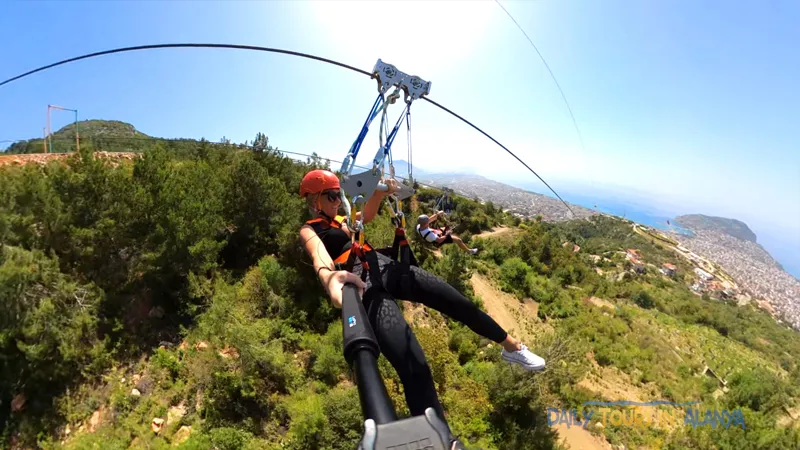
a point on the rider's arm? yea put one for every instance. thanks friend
(318, 253)
(374, 203)
(371, 207)
(441, 239)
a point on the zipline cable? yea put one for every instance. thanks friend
(552, 75)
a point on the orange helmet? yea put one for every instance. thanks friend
(317, 181)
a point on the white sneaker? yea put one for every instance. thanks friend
(473, 251)
(525, 358)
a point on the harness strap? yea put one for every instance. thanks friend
(369, 261)
(408, 254)
(368, 255)
(401, 251)
(336, 222)
(427, 233)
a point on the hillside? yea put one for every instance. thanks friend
(731, 227)
(100, 128)
(113, 133)
(401, 169)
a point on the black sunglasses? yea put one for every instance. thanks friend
(332, 195)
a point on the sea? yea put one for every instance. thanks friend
(638, 213)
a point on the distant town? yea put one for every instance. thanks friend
(753, 269)
(519, 202)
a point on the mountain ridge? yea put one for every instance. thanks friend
(100, 127)
(732, 227)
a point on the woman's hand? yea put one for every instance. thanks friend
(336, 283)
(392, 187)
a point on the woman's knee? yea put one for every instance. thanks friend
(417, 367)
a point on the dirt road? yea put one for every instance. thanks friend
(518, 318)
(495, 232)
(44, 158)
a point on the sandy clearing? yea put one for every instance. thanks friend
(576, 437)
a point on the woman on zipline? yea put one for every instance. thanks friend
(326, 238)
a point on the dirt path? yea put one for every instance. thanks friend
(600, 303)
(518, 318)
(44, 158)
(577, 438)
(495, 232)
(498, 304)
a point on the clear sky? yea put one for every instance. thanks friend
(685, 106)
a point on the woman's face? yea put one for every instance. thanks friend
(329, 201)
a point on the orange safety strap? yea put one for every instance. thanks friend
(336, 222)
(356, 249)
(341, 259)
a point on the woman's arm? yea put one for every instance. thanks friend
(332, 280)
(374, 203)
(316, 250)
(371, 208)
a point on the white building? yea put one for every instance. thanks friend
(703, 274)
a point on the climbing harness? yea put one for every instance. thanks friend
(358, 248)
(432, 230)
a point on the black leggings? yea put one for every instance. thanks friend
(420, 286)
(397, 340)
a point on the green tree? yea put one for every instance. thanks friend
(643, 299)
(260, 211)
(48, 330)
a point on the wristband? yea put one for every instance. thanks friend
(324, 284)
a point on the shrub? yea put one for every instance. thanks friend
(48, 328)
(513, 275)
(643, 299)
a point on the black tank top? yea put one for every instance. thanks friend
(335, 239)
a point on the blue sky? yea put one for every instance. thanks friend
(684, 106)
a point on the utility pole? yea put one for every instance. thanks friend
(50, 131)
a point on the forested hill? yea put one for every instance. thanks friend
(731, 227)
(63, 140)
(100, 128)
